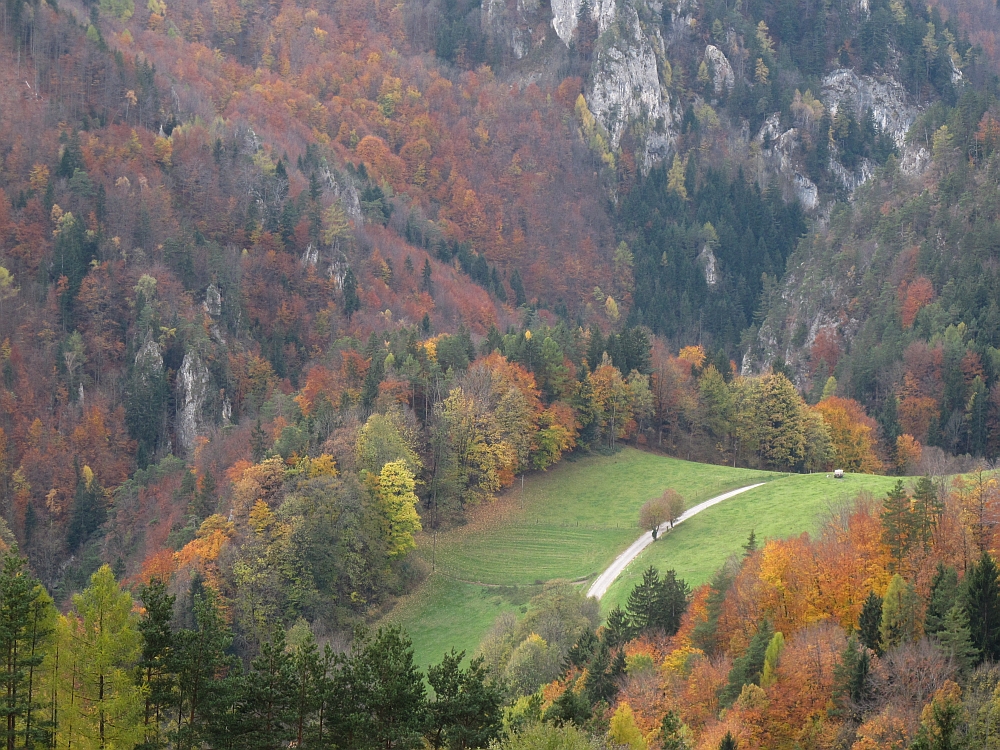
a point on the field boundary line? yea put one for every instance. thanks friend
(600, 586)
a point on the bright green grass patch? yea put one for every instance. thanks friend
(519, 555)
(574, 519)
(780, 509)
(570, 523)
(444, 614)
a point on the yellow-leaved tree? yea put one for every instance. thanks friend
(624, 731)
(98, 702)
(398, 500)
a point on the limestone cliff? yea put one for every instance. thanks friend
(625, 88)
(192, 395)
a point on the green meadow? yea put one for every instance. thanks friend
(570, 523)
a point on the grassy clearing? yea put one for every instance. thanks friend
(779, 509)
(572, 520)
(570, 524)
(444, 614)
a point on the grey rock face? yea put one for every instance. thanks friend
(192, 393)
(884, 96)
(510, 25)
(564, 13)
(625, 87)
(344, 191)
(213, 301)
(723, 77)
(709, 265)
(781, 154)
(149, 360)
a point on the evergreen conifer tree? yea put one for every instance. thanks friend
(642, 602)
(426, 278)
(956, 640)
(258, 443)
(595, 348)
(311, 675)
(899, 613)
(618, 629)
(706, 633)
(748, 668)
(205, 498)
(982, 603)
(672, 732)
(897, 524)
(467, 706)
(155, 667)
(583, 650)
(671, 603)
(389, 690)
(267, 696)
(944, 593)
(600, 683)
(205, 681)
(569, 708)
(926, 510)
(352, 303)
(89, 510)
(870, 623)
(851, 680)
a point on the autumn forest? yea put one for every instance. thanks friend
(287, 287)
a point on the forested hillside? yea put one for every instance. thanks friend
(896, 293)
(284, 284)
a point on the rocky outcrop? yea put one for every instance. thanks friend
(213, 301)
(564, 17)
(709, 265)
(565, 14)
(884, 97)
(915, 160)
(852, 179)
(149, 360)
(192, 394)
(723, 78)
(213, 306)
(781, 155)
(510, 24)
(344, 190)
(625, 88)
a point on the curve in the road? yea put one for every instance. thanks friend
(600, 587)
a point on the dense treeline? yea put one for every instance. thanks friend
(728, 233)
(112, 673)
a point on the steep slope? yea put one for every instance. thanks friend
(895, 295)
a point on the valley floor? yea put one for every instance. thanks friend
(572, 521)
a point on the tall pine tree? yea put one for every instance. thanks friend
(25, 624)
(982, 603)
(870, 623)
(155, 665)
(944, 593)
(897, 524)
(643, 600)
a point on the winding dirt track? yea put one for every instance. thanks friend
(600, 587)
